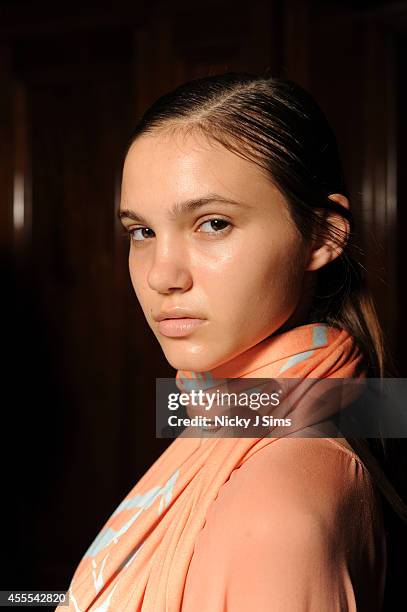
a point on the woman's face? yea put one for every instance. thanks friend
(236, 268)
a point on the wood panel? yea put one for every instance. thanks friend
(354, 81)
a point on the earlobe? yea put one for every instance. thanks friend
(321, 257)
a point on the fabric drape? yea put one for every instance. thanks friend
(222, 524)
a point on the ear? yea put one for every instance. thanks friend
(325, 250)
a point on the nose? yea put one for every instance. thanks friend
(169, 269)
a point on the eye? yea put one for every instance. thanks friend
(139, 237)
(216, 225)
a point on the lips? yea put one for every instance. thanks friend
(178, 321)
(178, 312)
(180, 326)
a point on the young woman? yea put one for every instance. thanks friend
(241, 256)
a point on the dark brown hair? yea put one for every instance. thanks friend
(276, 124)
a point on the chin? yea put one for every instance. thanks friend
(192, 365)
(181, 360)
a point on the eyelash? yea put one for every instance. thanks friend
(129, 232)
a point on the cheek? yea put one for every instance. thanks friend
(264, 278)
(138, 276)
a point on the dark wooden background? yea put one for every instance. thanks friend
(79, 361)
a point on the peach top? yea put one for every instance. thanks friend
(295, 529)
(235, 524)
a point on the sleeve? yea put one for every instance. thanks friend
(281, 535)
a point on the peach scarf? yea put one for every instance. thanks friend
(140, 559)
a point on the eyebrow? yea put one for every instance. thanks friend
(181, 208)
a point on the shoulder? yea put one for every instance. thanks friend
(301, 470)
(288, 531)
(298, 485)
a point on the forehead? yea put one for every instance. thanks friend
(177, 166)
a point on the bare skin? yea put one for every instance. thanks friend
(243, 269)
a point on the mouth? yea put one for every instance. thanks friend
(179, 327)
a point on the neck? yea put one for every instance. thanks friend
(313, 349)
(302, 313)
